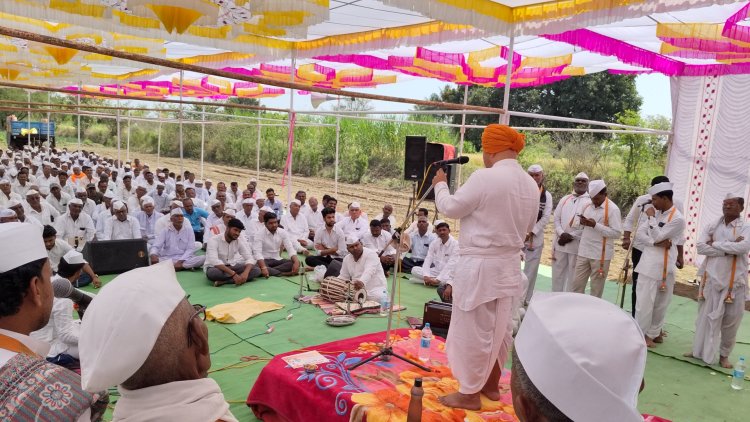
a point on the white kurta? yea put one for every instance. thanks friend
(47, 215)
(535, 246)
(219, 252)
(296, 228)
(177, 246)
(61, 205)
(68, 229)
(717, 322)
(267, 245)
(497, 207)
(440, 261)
(315, 220)
(378, 244)
(57, 252)
(4, 199)
(564, 257)
(115, 229)
(367, 270)
(354, 228)
(61, 332)
(651, 301)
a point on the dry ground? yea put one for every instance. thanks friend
(371, 196)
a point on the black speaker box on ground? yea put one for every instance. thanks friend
(116, 256)
(438, 314)
(414, 157)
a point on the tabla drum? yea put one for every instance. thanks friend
(338, 289)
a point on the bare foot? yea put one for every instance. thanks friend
(659, 339)
(462, 401)
(664, 333)
(308, 269)
(724, 362)
(688, 355)
(650, 343)
(219, 283)
(492, 394)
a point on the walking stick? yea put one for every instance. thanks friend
(625, 276)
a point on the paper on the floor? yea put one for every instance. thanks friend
(242, 310)
(305, 358)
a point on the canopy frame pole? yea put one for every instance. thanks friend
(49, 143)
(505, 117)
(203, 136)
(182, 164)
(28, 120)
(158, 143)
(257, 150)
(127, 140)
(119, 156)
(292, 118)
(338, 136)
(78, 113)
(463, 134)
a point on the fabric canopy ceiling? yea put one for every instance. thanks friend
(365, 43)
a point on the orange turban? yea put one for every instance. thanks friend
(498, 138)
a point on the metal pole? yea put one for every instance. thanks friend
(127, 143)
(158, 143)
(119, 157)
(203, 136)
(505, 118)
(291, 129)
(336, 174)
(182, 167)
(49, 143)
(78, 112)
(257, 151)
(28, 121)
(463, 134)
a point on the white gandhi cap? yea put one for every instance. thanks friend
(596, 186)
(660, 187)
(74, 257)
(123, 323)
(21, 243)
(587, 380)
(535, 168)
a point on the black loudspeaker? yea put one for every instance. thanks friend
(116, 256)
(438, 314)
(433, 153)
(414, 157)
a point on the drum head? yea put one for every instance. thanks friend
(340, 320)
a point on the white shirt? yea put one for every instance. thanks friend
(43, 183)
(68, 229)
(591, 238)
(4, 199)
(414, 229)
(295, 227)
(542, 222)
(21, 190)
(641, 204)
(267, 245)
(379, 243)
(331, 239)
(659, 228)
(147, 224)
(421, 244)
(39, 347)
(89, 207)
(219, 252)
(115, 229)
(46, 216)
(173, 244)
(391, 218)
(354, 228)
(721, 254)
(247, 221)
(444, 257)
(61, 205)
(565, 220)
(161, 202)
(367, 270)
(163, 222)
(61, 332)
(315, 219)
(123, 194)
(57, 252)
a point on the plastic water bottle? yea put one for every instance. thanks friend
(385, 303)
(424, 343)
(738, 375)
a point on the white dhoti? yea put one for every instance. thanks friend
(717, 322)
(652, 303)
(195, 261)
(531, 268)
(478, 339)
(563, 271)
(590, 268)
(418, 274)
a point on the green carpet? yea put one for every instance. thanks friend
(677, 388)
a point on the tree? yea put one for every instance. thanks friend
(599, 96)
(639, 149)
(353, 104)
(242, 101)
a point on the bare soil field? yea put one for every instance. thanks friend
(371, 196)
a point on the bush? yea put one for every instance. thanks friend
(98, 133)
(66, 131)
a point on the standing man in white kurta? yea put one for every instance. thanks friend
(568, 233)
(497, 207)
(601, 223)
(661, 233)
(534, 244)
(725, 245)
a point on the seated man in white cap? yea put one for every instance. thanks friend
(568, 233)
(200, 203)
(215, 216)
(6, 194)
(134, 202)
(89, 206)
(379, 240)
(61, 331)
(121, 226)
(246, 214)
(57, 248)
(656, 268)
(164, 374)
(177, 243)
(534, 243)
(200, 192)
(18, 208)
(362, 266)
(147, 217)
(165, 220)
(39, 209)
(602, 224)
(26, 297)
(295, 224)
(160, 197)
(57, 198)
(558, 376)
(725, 244)
(267, 245)
(440, 262)
(354, 224)
(229, 258)
(7, 215)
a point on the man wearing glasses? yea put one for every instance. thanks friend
(165, 372)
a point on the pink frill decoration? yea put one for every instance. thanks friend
(733, 30)
(701, 44)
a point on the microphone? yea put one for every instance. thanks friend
(64, 290)
(643, 205)
(458, 160)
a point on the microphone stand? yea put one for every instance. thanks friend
(387, 351)
(623, 279)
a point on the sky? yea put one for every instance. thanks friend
(653, 88)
